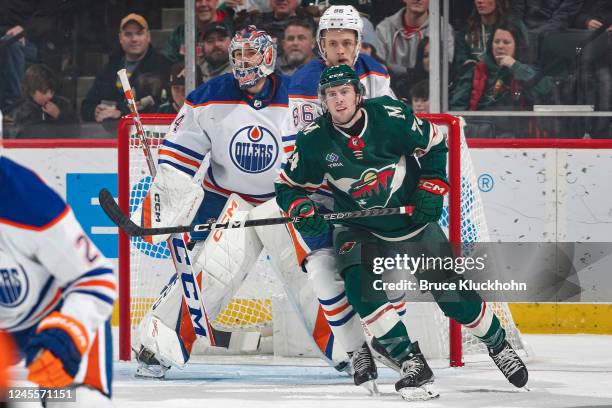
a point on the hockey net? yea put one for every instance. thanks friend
(144, 268)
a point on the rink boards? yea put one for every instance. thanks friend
(532, 191)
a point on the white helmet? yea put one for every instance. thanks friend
(342, 18)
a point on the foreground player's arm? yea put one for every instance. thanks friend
(299, 178)
(424, 140)
(174, 196)
(85, 281)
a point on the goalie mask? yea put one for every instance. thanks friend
(252, 55)
(340, 18)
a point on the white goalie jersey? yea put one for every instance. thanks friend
(243, 136)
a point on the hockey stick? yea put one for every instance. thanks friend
(110, 207)
(192, 294)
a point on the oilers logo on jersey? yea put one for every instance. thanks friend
(254, 149)
(14, 285)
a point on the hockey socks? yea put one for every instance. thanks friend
(380, 317)
(487, 328)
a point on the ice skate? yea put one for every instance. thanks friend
(149, 366)
(364, 369)
(417, 378)
(510, 364)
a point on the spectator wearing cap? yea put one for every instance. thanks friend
(401, 33)
(217, 39)
(176, 85)
(206, 13)
(105, 99)
(298, 46)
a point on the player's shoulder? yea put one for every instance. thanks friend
(305, 81)
(27, 202)
(281, 94)
(382, 103)
(314, 133)
(368, 66)
(220, 89)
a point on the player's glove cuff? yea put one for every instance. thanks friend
(311, 225)
(434, 186)
(428, 199)
(54, 354)
(302, 207)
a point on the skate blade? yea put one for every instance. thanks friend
(423, 393)
(372, 388)
(150, 372)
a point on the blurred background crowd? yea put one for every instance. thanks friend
(59, 58)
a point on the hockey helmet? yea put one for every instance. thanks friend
(336, 76)
(252, 55)
(340, 18)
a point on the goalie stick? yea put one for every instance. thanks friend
(110, 207)
(192, 294)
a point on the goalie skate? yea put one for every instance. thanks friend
(149, 366)
(417, 378)
(510, 364)
(364, 369)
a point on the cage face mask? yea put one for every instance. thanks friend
(252, 56)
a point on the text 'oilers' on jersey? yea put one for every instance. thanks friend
(243, 135)
(46, 260)
(375, 169)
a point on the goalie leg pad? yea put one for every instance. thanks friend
(286, 257)
(226, 257)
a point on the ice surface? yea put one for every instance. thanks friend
(565, 371)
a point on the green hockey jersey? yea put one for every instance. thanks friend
(378, 168)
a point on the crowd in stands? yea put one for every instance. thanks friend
(504, 55)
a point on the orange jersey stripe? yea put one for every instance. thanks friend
(92, 377)
(164, 152)
(104, 283)
(41, 228)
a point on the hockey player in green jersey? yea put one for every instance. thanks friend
(375, 154)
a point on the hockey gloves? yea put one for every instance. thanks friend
(54, 354)
(312, 225)
(428, 199)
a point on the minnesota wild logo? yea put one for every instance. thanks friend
(373, 189)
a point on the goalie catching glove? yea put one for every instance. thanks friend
(54, 354)
(311, 224)
(428, 199)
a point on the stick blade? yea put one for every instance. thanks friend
(112, 210)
